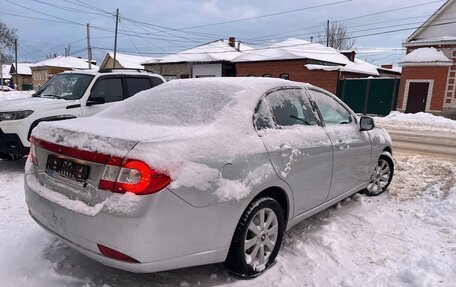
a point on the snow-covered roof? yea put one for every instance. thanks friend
(358, 66)
(301, 49)
(127, 61)
(294, 49)
(426, 56)
(23, 69)
(216, 51)
(361, 66)
(439, 25)
(5, 71)
(393, 69)
(64, 62)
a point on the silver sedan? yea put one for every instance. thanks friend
(201, 171)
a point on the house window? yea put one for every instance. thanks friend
(266, 76)
(285, 76)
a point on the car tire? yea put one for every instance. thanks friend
(381, 177)
(263, 242)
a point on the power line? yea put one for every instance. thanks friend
(267, 15)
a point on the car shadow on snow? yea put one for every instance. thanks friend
(12, 166)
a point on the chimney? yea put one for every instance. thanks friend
(349, 54)
(232, 41)
(387, 66)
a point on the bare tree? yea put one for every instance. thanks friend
(7, 37)
(337, 37)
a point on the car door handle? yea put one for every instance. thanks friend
(284, 147)
(342, 145)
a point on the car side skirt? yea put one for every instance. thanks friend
(324, 206)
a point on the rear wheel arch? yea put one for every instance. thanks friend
(279, 195)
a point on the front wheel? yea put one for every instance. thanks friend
(257, 238)
(381, 177)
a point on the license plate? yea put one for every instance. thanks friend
(67, 168)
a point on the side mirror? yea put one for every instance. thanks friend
(95, 101)
(366, 123)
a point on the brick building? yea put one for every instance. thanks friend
(303, 61)
(429, 68)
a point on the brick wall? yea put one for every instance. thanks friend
(437, 74)
(294, 68)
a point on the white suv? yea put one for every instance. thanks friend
(68, 95)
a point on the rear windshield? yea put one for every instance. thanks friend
(175, 104)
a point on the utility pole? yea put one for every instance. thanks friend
(327, 33)
(89, 49)
(115, 40)
(1, 72)
(15, 60)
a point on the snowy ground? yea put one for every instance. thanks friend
(14, 95)
(406, 237)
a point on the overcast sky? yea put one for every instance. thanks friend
(155, 28)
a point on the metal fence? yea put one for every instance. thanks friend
(376, 96)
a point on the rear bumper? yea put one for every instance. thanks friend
(11, 143)
(157, 266)
(162, 232)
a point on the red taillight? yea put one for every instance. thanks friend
(111, 253)
(133, 176)
(32, 153)
(120, 175)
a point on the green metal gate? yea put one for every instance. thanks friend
(376, 96)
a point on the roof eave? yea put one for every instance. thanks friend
(435, 15)
(428, 43)
(426, 64)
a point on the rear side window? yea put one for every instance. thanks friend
(109, 89)
(290, 107)
(136, 85)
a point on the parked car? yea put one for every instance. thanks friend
(201, 171)
(67, 95)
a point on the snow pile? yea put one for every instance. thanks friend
(430, 181)
(417, 122)
(15, 95)
(425, 56)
